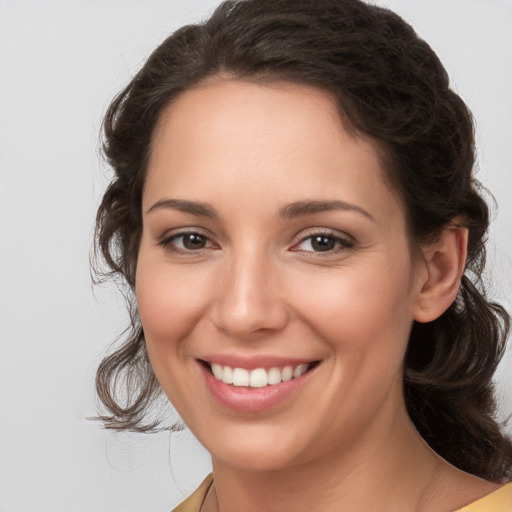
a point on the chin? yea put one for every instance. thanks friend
(258, 454)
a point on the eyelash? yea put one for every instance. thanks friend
(168, 242)
(340, 243)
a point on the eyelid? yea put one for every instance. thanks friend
(165, 241)
(346, 242)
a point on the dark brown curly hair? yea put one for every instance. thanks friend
(391, 87)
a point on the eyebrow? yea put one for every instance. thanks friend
(292, 210)
(303, 208)
(192, 207)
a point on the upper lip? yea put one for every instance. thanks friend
(256, 361)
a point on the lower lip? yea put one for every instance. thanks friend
(246, 399)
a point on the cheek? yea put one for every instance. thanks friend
(170, 303)
(360, 310)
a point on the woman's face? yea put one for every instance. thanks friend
(273, 246)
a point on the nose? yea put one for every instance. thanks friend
(250, 301)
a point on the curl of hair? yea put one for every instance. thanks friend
(391, 88)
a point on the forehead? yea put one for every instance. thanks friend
(287, 140)
(269, 112)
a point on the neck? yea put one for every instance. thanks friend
(380, 465)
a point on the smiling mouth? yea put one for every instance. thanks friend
(258, 377)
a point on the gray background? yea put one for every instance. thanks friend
(60, 64)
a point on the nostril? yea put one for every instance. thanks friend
(246, 320)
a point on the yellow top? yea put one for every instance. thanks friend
(498, 501)
(195, 500)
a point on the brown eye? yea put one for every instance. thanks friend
(194, 241)
(323, 243)
(186, 242)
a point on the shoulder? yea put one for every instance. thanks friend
(498, 501)
(195, 500)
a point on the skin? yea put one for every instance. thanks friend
(258, 286)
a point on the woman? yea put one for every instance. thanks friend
(294, 209)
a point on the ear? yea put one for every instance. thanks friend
(443, 266)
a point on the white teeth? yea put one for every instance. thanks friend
(258, 378)
(274, 376)
(240, 377)
(217, 371)
(300, 370)
(227, 375)
(287, 373)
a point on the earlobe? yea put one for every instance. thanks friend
(444, 262)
